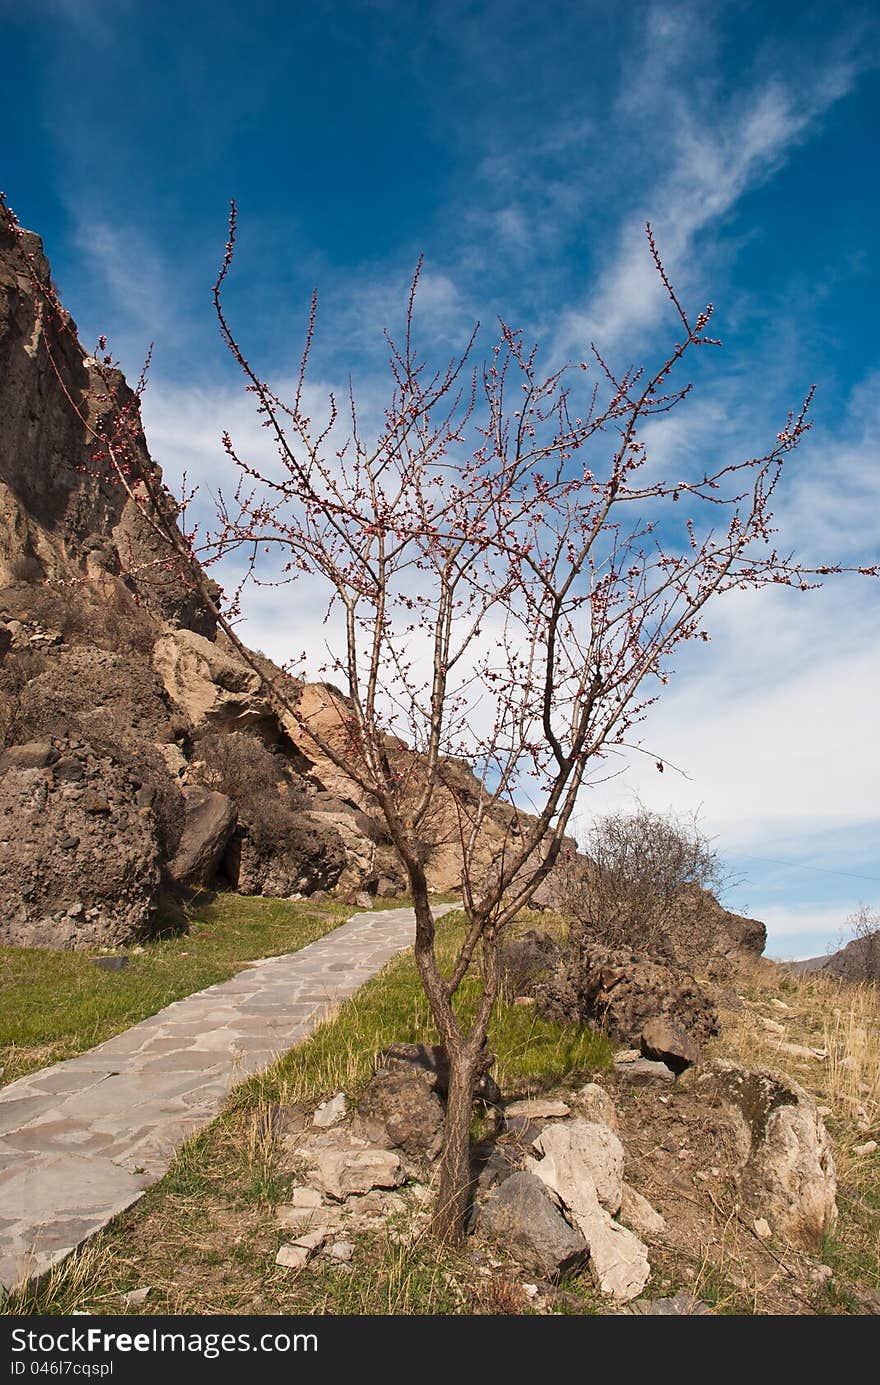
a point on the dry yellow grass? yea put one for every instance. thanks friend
(826, 1035)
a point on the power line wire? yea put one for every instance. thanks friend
(800, 865)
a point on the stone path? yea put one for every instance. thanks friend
(80, 1141)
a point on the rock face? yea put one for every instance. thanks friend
(79, 859)
(57, 518)
(621, 991)
(787, 1173)
(208, 824)
(521, 1217)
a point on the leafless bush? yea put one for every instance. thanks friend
(268, 797)
(24, 567)
(17, 670)
(859, 955)
(641, 887)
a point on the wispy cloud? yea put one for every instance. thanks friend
(715, 158)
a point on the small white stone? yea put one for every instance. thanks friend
(330, 1112)
(869, 1147)
(342, 1251)
(134, 1297)
(762, 1228)
(292, 1257)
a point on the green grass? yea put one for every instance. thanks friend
(532, 1055)
(205, 1237)
(56, 1004)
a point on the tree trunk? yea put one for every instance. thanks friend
(454, 1191)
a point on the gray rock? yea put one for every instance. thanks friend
(643, 1072)
(330, 1112)
(209, 821)
(537, 1108)
(400, 1109)
(521, 1217)
(664, 1041)
(341, 1172)
(111, 963)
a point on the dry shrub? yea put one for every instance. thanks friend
(18, 669)
(268, 792)
(640, 888)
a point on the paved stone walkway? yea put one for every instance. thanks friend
(80, 1141)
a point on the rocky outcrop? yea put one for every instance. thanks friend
(787, 1173)
(59, 518)
(79, 853)
(622, 991)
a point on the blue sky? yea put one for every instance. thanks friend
(520, 147)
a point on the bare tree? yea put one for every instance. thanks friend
(510, 577)
(642, 882)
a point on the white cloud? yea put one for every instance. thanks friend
(714, 162)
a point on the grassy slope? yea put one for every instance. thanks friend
(56, 1004)
(843, 1022)
(205, 1238)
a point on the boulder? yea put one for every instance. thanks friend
(583, 1166)
(520, 1216)
(786, 1168)
(401, 1109)
(577, 1152)
(664, 1041)
(208, 824)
